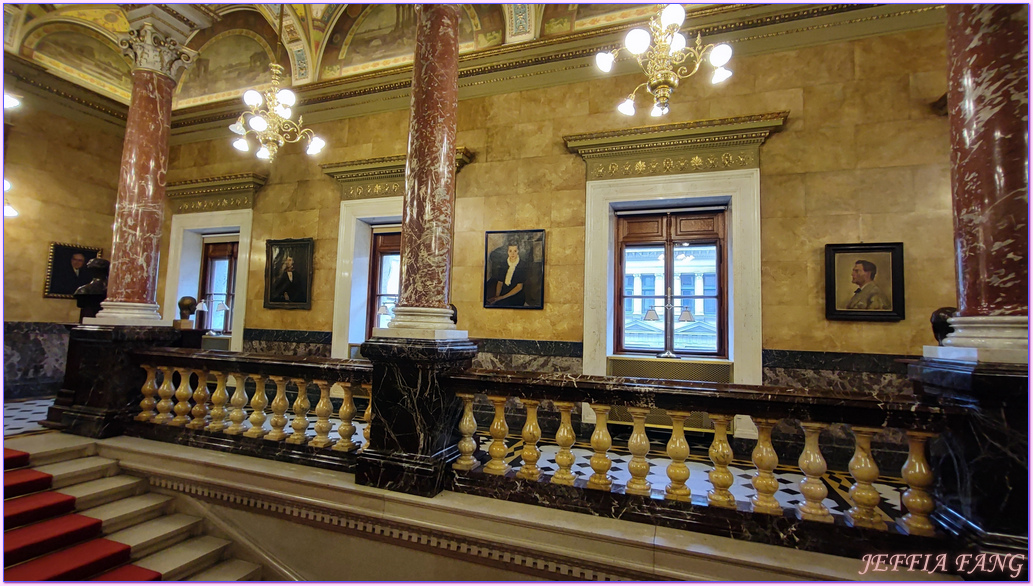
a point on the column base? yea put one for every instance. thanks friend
(121, 313)
(424, 323)
(990, 332)
(976, 355)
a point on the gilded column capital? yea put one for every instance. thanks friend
(154, 51)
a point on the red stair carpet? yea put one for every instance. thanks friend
(75, 563)
(37, 539)
(129, 573)
(36, 507)
(15, 459)
(24, 481)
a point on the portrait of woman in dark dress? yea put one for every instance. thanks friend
(509, 280)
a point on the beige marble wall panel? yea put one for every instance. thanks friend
(64, 175)
(862, 158)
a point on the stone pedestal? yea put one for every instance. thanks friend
(103, 378)
(413, 431)
(981, 461)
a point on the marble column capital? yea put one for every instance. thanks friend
(152, 50)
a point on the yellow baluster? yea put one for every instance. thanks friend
(721, 455)
(919, 477)
(165, 392)
(346, 414)
(149, 389)
(200, 410)
(678, 451)
(300, 422)
(323, 410)
(237, 402)
(564, 439)
(219, 399)
(367, 415)
(813, 466)
(531, 433)
(498, 430)
(279, 406)
(600, 462)
(467, 427)
(865, 472)
(638, 445)
(183, 394)
(765, 459)
(258, 403)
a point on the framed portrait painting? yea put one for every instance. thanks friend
(514, 269)
(66, 269)
(288, 273)
(864, 282)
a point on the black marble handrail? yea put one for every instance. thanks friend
(854, 408)
(307, 367)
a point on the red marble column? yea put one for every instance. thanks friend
(427, 212)
(141, 190)
(988, 62)
(133, 278)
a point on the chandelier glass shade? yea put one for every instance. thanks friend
(666, 58)
(267, 124)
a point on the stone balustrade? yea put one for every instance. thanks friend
(203, 398)
(220, 396)
(865, 415)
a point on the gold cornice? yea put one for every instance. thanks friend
(737, 131)
(717, 144)
(222, 192)
(31, 74)
(381, 167)
(379, 177)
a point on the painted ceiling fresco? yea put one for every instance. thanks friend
(320, 42)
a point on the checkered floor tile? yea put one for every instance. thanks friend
(24, 416)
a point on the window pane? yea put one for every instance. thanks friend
(385, 310)
(390, 269)
(220, 275)
(645, 329)
(629, 285)
(647, 264)
(688, 283)
(710, 284)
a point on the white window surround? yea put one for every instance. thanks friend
(183, 275)
(354, 244)
(741, 189)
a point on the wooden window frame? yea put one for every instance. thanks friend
(667, 229)
(383, 244)
(213, 251)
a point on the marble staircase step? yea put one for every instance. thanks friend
(186, 558)
(229, 571)
(49, 448)
(157, 534)
(94, 493)
(130, 511)
(83, 469)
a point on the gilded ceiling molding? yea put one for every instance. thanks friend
(33, 78)
(209, 194)
(684, 147)
(521, 22)
(379, 177)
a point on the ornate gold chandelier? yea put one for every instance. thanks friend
(268, 118)
(665, 58)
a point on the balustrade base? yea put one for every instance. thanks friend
(280, 451)
(787, 530)
(415, 474)
(104, 378)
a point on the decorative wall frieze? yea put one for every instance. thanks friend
(539, 561)
(224, 192)
(379, 177)
(686, 147)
